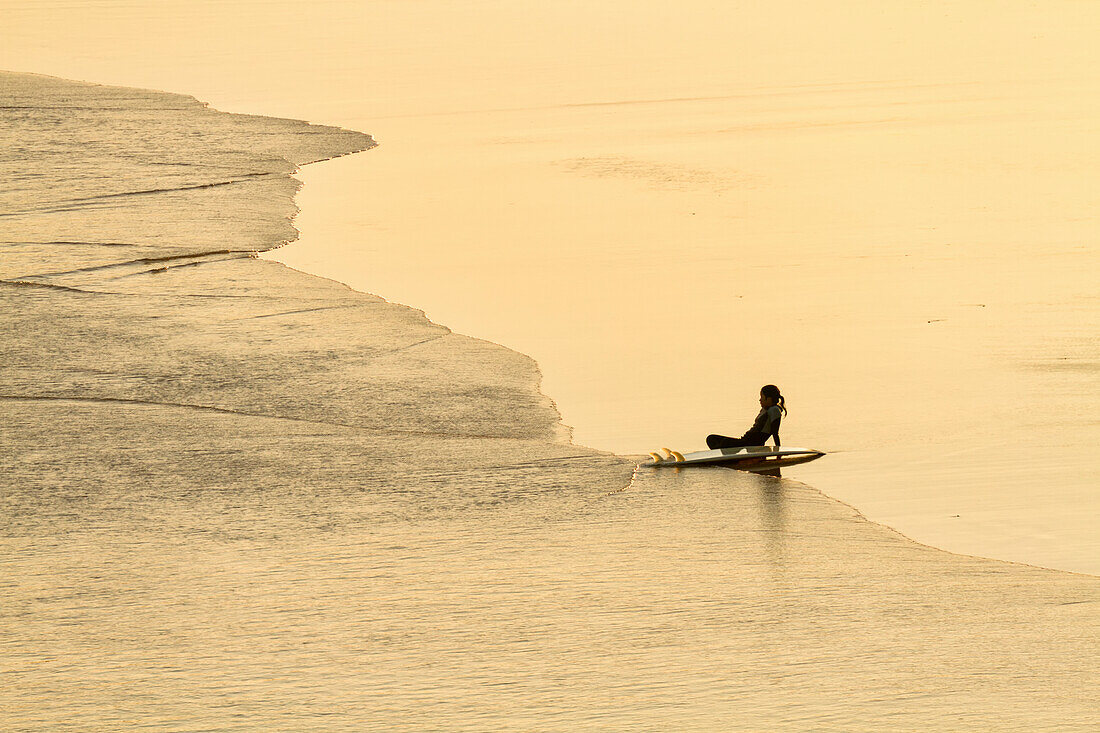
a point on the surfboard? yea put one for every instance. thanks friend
(755, 458)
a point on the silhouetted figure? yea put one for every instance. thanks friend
(766, 425)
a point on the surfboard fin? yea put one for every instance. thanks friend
(678, 456)
(656, 457)
(668, 453)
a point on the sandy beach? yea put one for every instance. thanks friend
(241, 497)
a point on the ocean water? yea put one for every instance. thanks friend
(239, 497)
(889, 212)
(236, 497)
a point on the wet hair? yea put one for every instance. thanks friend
(772, 392)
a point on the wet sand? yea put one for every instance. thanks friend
(237, 496)
(888, 210)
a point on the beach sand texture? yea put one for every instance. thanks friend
(239, 497)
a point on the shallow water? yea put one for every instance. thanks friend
(238, 497)
(711, 600)
(888, 212)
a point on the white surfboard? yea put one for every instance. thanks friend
(754, 458)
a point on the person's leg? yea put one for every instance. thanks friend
(721, 441)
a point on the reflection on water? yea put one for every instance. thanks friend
(772, 509)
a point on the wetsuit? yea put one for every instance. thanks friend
(765, 426)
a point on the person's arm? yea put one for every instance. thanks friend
(775, 417)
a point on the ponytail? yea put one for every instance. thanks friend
(772, 392)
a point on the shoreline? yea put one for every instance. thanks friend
(273, 256)
(565, 432)
(636, 458)
(226, 468)
(895, 482)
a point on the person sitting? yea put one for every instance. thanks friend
(765, 426)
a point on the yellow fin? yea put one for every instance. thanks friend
(656, 457)
(668, 453)
(678, 456)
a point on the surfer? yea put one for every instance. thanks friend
(766, 425)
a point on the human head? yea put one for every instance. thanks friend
(771, 393)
